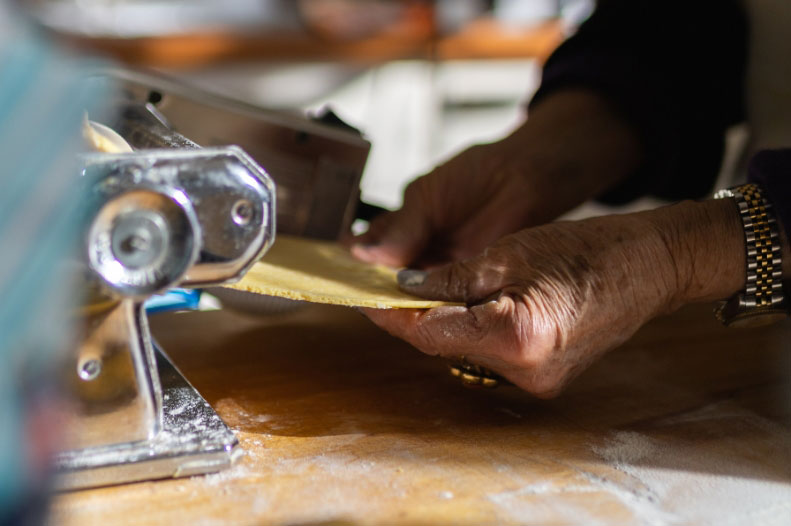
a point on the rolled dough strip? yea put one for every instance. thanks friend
(325, 272)
(102, 138)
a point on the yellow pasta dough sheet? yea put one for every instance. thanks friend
(325, 272)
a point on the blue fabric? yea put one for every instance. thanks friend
(173, 300)
(43, 96)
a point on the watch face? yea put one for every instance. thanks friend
(757, 318)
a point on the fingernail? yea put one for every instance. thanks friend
(364, 247)
(411, 278)
(492, 298)
(359, 252)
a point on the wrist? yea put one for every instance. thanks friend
(705, 242)
(572, 148)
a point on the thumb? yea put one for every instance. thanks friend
(395, 239)
(469, 281)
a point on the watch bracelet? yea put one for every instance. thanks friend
(764, 286)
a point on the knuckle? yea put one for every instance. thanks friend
(450, 333)
(548, 393)
(417, 194)
(504, 259)
(527, 351)
(547, 386)
(468, 280)
(525, 361)
(413, 188)
(457, 280)
(538, 365)
(429, 340)
(381, 224)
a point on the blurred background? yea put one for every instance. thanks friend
(420, 79)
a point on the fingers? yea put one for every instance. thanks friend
(468, 281)
(489, 335)
(448, 331)
(395, 239)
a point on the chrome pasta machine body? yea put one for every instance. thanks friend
(158, 219)
(181, 210)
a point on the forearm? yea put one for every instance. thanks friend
(680, 93)
(572, 147)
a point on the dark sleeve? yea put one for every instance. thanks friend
(675, 70)
(771, 169)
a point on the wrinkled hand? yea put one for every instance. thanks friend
(452, 213)
(572, 148)
(545, 302)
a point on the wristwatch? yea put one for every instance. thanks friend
(762, 301)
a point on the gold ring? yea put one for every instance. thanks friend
(474, 375)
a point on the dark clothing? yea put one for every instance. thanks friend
(675, 69)
(771, 169)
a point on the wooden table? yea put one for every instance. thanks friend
(688, 423)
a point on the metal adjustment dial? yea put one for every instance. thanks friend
(143, 241)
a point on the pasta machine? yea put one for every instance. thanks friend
(182, 210)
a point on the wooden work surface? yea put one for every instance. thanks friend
(341, 424)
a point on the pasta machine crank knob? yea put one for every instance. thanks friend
(144, 240)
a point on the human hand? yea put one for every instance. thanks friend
(570, 149)
(545, 302)
(453, 212)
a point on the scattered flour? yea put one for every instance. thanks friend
(238, 470)
(518, 504)
(710, 480)
(694, 483)
(239, 418)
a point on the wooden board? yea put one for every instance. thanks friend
(342, 424)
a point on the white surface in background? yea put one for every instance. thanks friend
(288, 86)
(417, 113)
(694, 483)
(137, 18)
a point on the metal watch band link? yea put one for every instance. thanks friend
(764, 273)
(764, 287)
